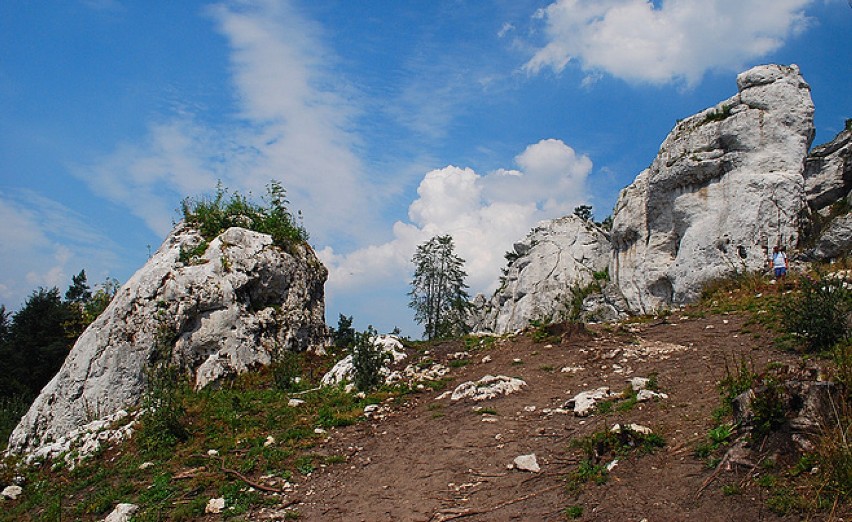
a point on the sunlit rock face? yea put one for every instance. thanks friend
(726, 186)
(545, 269)
(215, 314)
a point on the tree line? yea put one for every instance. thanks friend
(35, 340)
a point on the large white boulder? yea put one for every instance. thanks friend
(726, 186)
(225, 312)
(545, 268)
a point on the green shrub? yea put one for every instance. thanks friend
(11, 410)
(367, 360)
(286, 369)
(819, 312)
(213, 216)
(161, 426)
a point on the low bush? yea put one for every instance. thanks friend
(819, 312)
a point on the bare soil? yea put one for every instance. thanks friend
(429, 459)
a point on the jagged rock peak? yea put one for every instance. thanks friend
(220, 312)
(725, 187)
(544, 268)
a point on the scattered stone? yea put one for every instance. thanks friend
(638, 383)
(370, 409)
(320, 431)
(571, 369)
(146, 465)
(295, 403)
(526, 463)
(122, 513)
(215, 506)
(635, 428)
(270, 440)
(611, 466)
(212, 453)
(12, 492)
(647, 395)
(344, 370)
(486, 359)
(485, 388)
(584, 402)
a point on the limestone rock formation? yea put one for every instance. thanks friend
(828, 185)
(223, 312)
(828, 171)
(555, 258)
(725, 187)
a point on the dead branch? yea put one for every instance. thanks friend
(472, 512)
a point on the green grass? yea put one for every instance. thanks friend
(234, 420)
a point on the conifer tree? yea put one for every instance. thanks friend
(438, 291)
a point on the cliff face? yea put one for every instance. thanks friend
(219, 313)
(726, 186)
(547, 267)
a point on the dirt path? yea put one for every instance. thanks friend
(432, 460)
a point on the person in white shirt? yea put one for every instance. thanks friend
(779, 262)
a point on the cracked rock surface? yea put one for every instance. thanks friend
(225, 312)
(554, 258)
(726, 186)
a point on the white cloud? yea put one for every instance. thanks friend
(292, 125)
(676, 41)
(485, 214)
(55, 242)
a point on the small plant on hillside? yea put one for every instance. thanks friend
(367, 360)
(819, 313)
(162, 419)
(286, 369)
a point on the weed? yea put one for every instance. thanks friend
(192, 256)
(459, 363)
(572, 512)
(731, 489)
(487, 410)
(286, 369)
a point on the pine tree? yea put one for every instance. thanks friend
(438, 294)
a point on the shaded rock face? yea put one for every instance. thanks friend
(726, 186)
(556, 257)
(828, 185)
(828, 172)
(222, 314)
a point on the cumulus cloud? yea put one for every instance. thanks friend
(485, 214)
(292, 125)
(674, 41)
(55, 242)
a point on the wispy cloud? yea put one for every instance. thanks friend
(674, 41)
(292, 124)
(55, 242)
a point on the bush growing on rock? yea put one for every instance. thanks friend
(213, 216)
(367, 360)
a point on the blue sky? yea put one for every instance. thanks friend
(387, 121)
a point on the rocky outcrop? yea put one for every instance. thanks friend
(828, 171)
(217, 313)
(726, 186)
(544, 271)
(828, 185)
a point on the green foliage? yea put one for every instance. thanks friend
(718, 115)
(438, 291)
(12, 408)
(583, 212)
(286, 369)
(344, 335)
(211, 216)
(819, 313)
(192, 256)
(161, 426)
(367, 360)
(573, 512)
